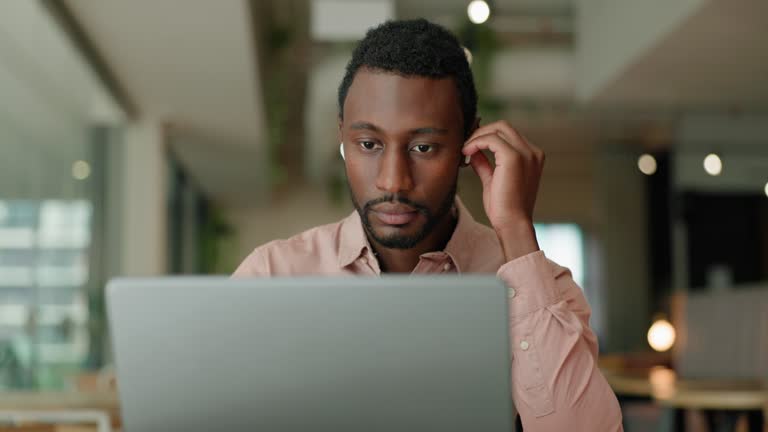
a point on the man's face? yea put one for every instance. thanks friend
(402, 141)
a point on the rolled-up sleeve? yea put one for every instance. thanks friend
(556, 382)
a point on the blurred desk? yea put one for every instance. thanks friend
(721, 401)
(27, 401)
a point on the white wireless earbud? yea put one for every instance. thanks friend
(341, 150)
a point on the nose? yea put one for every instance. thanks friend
(394, 172)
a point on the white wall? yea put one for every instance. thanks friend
(288, 214)
(144, 206)
(540, 73)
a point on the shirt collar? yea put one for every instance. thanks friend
(353, 242)
(461, 245)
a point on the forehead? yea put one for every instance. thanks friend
(393, 101)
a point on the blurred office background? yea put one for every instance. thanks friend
(154, 137)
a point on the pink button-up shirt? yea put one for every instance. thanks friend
(556, 383)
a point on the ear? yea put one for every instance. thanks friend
(338, 132)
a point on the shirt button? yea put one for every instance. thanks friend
(446, 267)
(524, 345)
(511, 292)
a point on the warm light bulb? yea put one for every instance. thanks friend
(766, 189)
(478, 11)
(647, 164)
(713, 165)
(81, 170)
(662, 381)
(661, 335)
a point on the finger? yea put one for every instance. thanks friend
(482, 166)
(538, 153)
(510, 135)
(489, 129)
(502, 151)
(517, 140)
(471, 146)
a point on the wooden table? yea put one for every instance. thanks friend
(28, 401)
(721, 401)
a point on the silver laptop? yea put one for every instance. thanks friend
(312, 354)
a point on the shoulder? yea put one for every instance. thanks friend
(306, 252)
(484, 252)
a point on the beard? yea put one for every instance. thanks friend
(404, 241)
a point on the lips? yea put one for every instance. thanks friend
(394, 214)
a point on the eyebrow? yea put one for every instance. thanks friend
(417, 131)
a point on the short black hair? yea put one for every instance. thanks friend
(415, 48)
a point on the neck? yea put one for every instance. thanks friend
(405, 260)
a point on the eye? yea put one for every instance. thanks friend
(368, 145)
(422, 148)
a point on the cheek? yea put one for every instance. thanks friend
(436, 177)
(361, 175)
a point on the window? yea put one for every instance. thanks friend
(564, 244)
(43, 310)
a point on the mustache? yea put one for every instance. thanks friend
(396, 198)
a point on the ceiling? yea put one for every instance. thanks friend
(50, 98)
(717, 57)
(436, 8)
(189, 64)
(515, 22)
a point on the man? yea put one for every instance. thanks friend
(407, 124)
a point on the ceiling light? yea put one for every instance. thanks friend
(647, 164)
(713, 165)
(661, 335)
(81, 170)
(478, 11)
